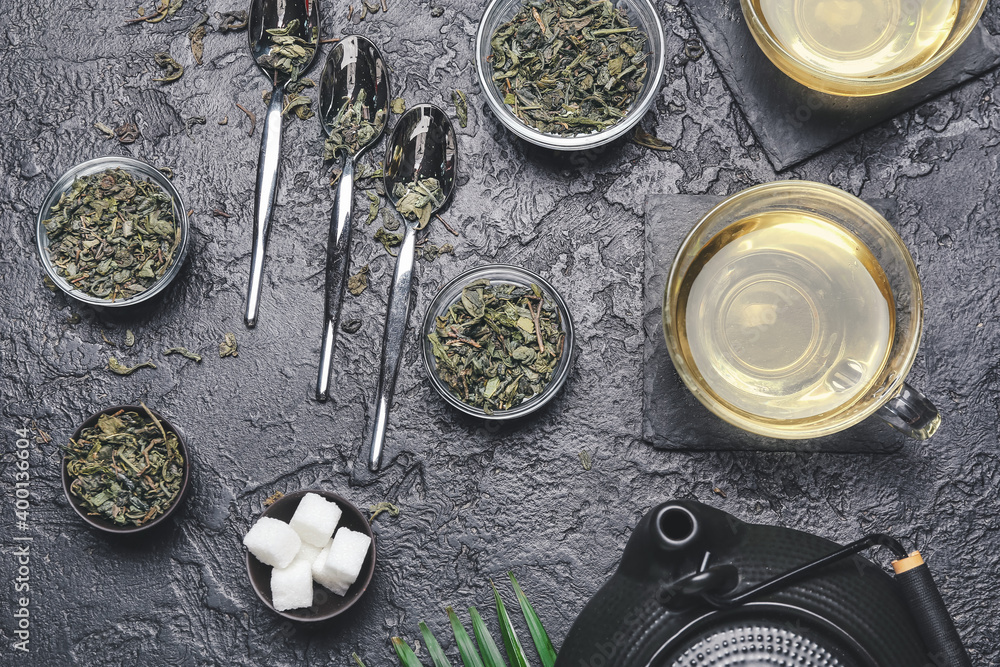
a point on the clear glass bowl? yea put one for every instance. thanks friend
(641, 12)
(137, 169)
(967, 16)
(452, 293)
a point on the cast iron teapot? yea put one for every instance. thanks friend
(698, 587)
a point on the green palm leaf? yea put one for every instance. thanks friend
(433, 647)
(406, 655)
(487, 647)
(515, 652)
(470, 657)
(543, 644)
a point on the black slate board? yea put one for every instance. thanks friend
(793, 122)
(672, 418)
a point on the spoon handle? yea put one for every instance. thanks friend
(338, 261)
(392, 342)
(263, 205)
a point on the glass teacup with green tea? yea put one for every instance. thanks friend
(794, 310)
(860, 47)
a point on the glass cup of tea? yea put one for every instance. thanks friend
(860, 47)
(794, 310)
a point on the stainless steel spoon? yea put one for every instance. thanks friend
(353, 67)
(422, 146)
(266, 15)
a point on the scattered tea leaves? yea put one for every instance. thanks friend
(643, 138)
(273, 498)
(498, 345)
(129, 338)
(429, 252)
(184, 352)
(191, 122)
(586, 460)
(127, 133)
(388, 240)
(228, 347)
(121, 369)
(172, 70)
(373, 204)
(398, 105)
(112, 235)
(418, 199)
(75, 319)
(351, 326)
(232, 21)
(289, 53)
(437, 12)
(568, 67)
(105, 130)
(383, 506)
(196, 34)
(693, 49)
(352, 129)
(719, 492)
(127, 469)
(389, 220)
(358, 283)
(252, 116)
(461, 107)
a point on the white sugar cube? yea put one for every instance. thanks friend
(326, 579)
(292, 586)
(273, 542)
(347, 554)
(308, 554)
(315, 519)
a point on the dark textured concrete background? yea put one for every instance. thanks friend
(476, 502)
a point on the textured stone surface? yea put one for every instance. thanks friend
(476, 501)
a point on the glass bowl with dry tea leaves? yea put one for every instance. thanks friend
(125, 469)
(498, 342)
(112, 232)
(570, 74)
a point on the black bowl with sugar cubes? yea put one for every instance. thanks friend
(310, 555)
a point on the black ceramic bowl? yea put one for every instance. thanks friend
(326, 605)
(101, 523)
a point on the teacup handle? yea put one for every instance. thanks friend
(910, 412)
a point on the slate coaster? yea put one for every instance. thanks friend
(672, 418)
(793, 122)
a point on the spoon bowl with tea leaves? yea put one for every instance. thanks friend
(284, 35)
(421, 164)
(354, 105)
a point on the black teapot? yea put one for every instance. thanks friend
(698, 587)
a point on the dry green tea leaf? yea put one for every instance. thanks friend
(388, 240)
(184, 352)
(351, 326)
(122, 369)
(383, 506)
(289, 53)
(418, 199)
(351, 130)
(398, 106)
(228, 347)
(127, 133)
(232, 21)
(585, 460)
(172, 70)
(197, 36)
(373, 204)
(461, 107)
(358, 283)
(107, 131)
(643, 138)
